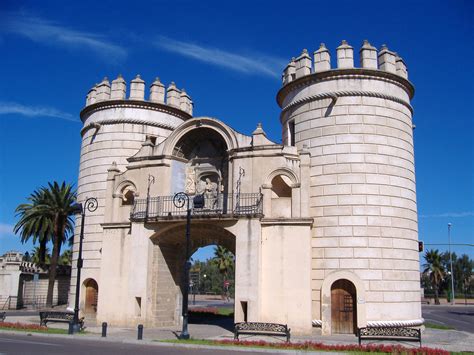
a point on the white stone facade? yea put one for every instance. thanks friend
(336, 202)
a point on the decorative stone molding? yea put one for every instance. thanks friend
(396, 323)
(125, 120)
(352, 73)
(317, 323)
(332, 95)
(283, 171)
(146, 105)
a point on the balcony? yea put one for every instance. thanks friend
(220, 206)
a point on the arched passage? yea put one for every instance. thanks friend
(343, 307)
(326, 299)
(169, 259)
(91, 296)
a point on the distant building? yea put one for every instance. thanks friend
(323, 226)
(19, 287)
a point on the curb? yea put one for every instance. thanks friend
(173, 345)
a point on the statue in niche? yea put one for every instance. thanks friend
(210, 194)
(190, 187)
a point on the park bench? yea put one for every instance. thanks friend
(257, 328)
(3, 315)
(56, 316)
(389, 333)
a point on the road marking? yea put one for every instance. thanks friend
(6, 340)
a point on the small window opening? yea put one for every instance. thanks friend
(128, 197)
(244, 309)
(152, 139)
(291, 129)
(138, 306)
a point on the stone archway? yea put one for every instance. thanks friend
(91, 297)
(343, 307)
(326, 299)
(168, 264)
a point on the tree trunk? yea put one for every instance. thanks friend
(436, 296)
(42, 251)
(54, 262)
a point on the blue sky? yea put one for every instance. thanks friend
(229, 56)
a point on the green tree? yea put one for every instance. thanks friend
(33, 225)
(36, 256)
(224, 261)
(435, 270)
(49, 213)
(66, 257)
(465, 265)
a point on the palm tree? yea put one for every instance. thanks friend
(50, 213)
(32, 225)
(224, 260)
(435, 270)
(36, 256)
(66, 257)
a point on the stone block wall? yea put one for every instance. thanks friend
(357, 125)
(114, 129)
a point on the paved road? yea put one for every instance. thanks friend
(458, 317)
(210, 303)
(24, 344)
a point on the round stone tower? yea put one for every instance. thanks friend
(357, 125)
(115, 128)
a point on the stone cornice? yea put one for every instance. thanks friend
(287, 221)
(352, 73)
(336, 94)
(146, 105)
(115, 225)
(96, 125)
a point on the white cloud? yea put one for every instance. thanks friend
(248, 64)
(44, 31)
(34, 111)
(449, 215)
(6, 230)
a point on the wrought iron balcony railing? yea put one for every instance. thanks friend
(162, 207)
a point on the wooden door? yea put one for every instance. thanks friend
(343, 307)
(92, 294)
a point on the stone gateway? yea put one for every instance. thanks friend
(323, 226)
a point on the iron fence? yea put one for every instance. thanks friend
(162, 207)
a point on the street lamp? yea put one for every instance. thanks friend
(91, 205)
(451, 262)
(179, 200)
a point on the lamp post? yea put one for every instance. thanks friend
(451, 264)
(90, 205)
(179, 200)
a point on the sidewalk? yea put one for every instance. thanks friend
(450, 340)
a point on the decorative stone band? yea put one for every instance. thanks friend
(396, 323)
(336, 94)
(145, 105)
(387, 324)
(350, 74)
(96, 125)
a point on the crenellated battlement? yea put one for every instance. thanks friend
(117, 90)
(370, 58)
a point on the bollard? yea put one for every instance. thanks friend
(70, 329)
(140, 332)
(104, 329)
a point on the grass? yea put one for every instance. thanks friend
(438, 326)
(225, 311)
(47, 331)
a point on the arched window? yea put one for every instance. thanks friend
(128, 195)
(281, 196)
